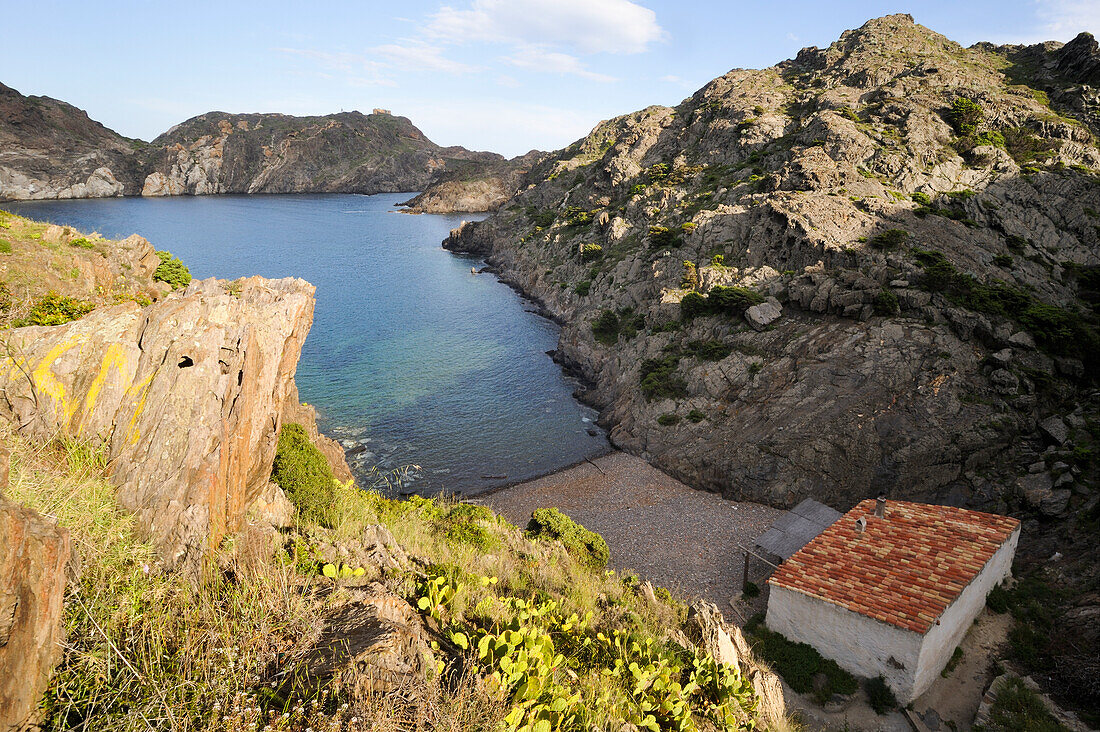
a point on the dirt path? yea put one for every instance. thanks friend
(674, 536)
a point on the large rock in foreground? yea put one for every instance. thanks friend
(186, 395)
(34, 553)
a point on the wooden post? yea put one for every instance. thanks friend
(745, 581)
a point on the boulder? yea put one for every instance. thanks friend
(34, 554)
(1055, 429)
(186, 395)
(374, 643)
(762, 315)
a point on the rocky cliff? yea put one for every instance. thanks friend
(870, 268)
(475, 187)
(50, 149)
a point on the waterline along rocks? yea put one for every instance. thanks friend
(870, 268)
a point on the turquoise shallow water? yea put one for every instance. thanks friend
(411, 359)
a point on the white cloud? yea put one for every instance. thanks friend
(421, 57)
(678, 81)
(500, 125)
(1066, 18)
(508, 81)
(587, 26)
(537, 58)
(359, 70)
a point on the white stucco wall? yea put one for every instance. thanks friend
(859, 644)
(942, 638)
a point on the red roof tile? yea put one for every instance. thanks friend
(905, 569)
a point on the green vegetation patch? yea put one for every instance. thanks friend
(587, 546)
(610, 325)
(712, 350)
(172, 271)
(798, 663)
(590, 252)
(661, 237)
(879, 695)
(304, 474)
(659, 380)
(719, 301)
(5, 246)
(54, 309)
(1019, 708)
(1057, 330)
(889, 239)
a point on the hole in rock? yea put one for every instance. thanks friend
(186, 362)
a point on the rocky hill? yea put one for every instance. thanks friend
(275, 153)
(870, 268)
(475, 187)
(49, 149)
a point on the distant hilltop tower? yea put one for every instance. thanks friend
(379, 110)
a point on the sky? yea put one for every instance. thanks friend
(500, 75)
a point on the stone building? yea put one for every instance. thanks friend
(892, 587)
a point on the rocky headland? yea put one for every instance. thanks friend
(476, 187)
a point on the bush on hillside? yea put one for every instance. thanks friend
(302, 471)
(172, 271)
(54, 309)
(587, 546)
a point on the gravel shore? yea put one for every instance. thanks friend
(657, 527)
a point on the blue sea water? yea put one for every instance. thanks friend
(412, 360)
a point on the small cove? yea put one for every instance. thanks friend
(411, 359)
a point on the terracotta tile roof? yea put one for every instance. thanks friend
(905, 569)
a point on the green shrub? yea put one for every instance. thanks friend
(953, 662)
(660, 237)
(922, 198)
(886, 302)
(668, 419)
(879, 695)
(54, 309)
(751, 589)
(719, 301)
(1002, 260)
(687, 227)
(605, 328)
(798, 663)
(690, 280)
(583, 287)
(542, 218)
(587, 546)
(997, 599)
(82, 243)
(577, 216)
(304, 474)
(5, 246)
(462, 524)
(718, 260)
(696, 416)
(1019, 708)
(172, 271)
(965, 116)
(657, 173)
(590, 252)
(1025, 147)
(889, 239)
(659, 380)
(709, 350)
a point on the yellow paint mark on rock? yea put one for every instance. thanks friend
(46, 381)
(142, 388)
(116, 358)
